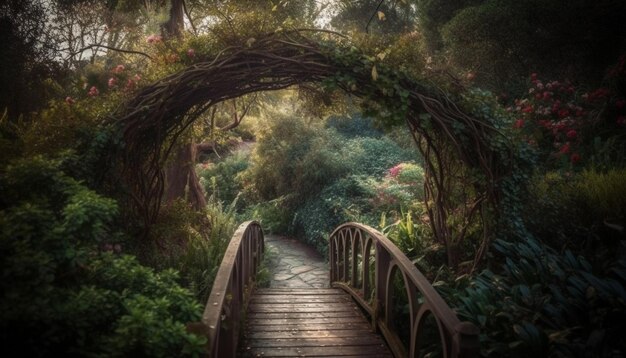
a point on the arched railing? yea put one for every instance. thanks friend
(363, 262)
(231, 290)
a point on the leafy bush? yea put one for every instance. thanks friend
(228, 181)
(354, 126)
(585, 211)
(193, 242)
(544, 303)
(371, 156)
(67, 289)
(294, 156)
(345, 200)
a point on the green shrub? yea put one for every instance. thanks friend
(273, 215)
(345, 200)
(227, 182)
(584, 211)
(544, 303)
(354, 126)
(193, 243)
(295, 157)
(64, 291)
(371, 156)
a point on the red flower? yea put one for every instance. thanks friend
(518, 123)
(533, 76)
(118, 69)
(571, 134)
(547, 95)
(564, 149)
(563, 113)
(575, 158)
(93, 91)
(528, 109)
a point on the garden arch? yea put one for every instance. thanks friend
(152, 121)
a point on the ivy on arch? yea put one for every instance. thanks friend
(446, 135)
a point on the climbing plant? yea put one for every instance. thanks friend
(158, 114)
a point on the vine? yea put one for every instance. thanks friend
(446, 135)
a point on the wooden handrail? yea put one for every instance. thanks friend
(231, 291)
(347, 242)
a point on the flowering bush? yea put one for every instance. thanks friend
(401, 187)
(562, 121)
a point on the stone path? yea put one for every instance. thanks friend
(294, 264)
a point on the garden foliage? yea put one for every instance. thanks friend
(70, 287)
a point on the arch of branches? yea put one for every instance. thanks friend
(153, 120)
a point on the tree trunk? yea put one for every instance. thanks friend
(174, 26)
(181, 178)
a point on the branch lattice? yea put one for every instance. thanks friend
(153, 120)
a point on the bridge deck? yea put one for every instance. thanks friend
(313, 322)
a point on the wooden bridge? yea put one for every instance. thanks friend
(356, 316)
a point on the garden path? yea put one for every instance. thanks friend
(294, 264)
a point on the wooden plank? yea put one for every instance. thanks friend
(317, 351)
(300, 299)
(284, 321)
(301, 292)
(306, 334)
(307, 326)
(308, 322)
(296, 315)
(303, 307)
(368, 340)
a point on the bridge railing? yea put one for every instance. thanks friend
(364, 263)
(231, 291)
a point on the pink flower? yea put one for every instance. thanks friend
(130, 84)
(571, 134)
(118, 69)
(154, 39)
(93, 91)
(470, 76)
(112, 82)
(191, 53)
(137, 78)
(518, 123)
(393, 172)
(69, 100)
(575, 158)
(547, 95)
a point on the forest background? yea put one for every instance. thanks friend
(542, 272)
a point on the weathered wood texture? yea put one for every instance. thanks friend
(308, 322)
(363, 262)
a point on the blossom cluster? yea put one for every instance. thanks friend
(554, 115)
